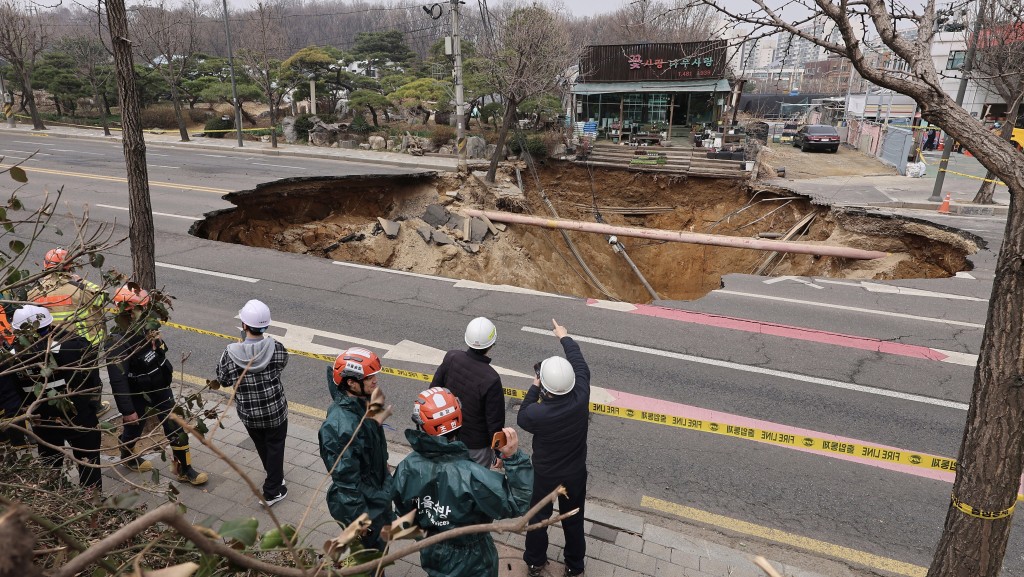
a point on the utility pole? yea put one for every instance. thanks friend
(960, 93)
(460, 99)
(231, 67)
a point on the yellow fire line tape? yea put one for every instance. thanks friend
(827, 446)
(981, 513)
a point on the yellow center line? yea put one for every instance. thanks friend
(767, 533)
(154, 183)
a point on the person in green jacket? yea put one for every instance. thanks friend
(360, 481)
(449, 490)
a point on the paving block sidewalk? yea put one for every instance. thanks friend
(619, 543)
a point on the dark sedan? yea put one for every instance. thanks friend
(817, 137)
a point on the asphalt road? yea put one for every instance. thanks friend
(848, 362)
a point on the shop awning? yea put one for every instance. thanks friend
(721, 85)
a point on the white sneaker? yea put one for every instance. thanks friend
(277, 498)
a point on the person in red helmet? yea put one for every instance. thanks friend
(447, 489)
(140, 378)
(258, 361)
(360, 480)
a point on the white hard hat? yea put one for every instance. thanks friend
(481, 333)
(557, 376)
(255, 314)
(31, 314)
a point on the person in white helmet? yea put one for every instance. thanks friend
(469, 376)
(259, 397)
(556, 411)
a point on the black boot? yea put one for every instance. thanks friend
(183, 467)
(133, 462)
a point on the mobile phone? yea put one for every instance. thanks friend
(499, 440)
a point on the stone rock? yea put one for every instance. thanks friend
(478, 230)
(392, 144)
(476, 147)
(558, 151)
(446, 150)
(441, 238)
(500, 226)
(406, 140)
(436, 215)
(364, 147)
(346, 144)
(288, 126)
(425, 231)
(472, 248)
(377, 143)
(454, 194)
(320, 138)
(390, 227)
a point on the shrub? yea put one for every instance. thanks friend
(441, 134)
(196, 116)
(218, 123)
(159, 117)
(360, 125)
(535, 145)
(303, 124)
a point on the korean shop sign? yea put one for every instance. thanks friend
(645, 62)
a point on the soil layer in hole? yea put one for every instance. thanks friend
(336, 217)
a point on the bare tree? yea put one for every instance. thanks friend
(999, 64)
(531, 53)
(22, 39)
(977, 524)
(262, 44)
(140, 208)
(167, 41)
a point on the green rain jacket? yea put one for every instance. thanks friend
(449, 490)
(360, 483)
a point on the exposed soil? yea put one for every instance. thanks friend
(325, 216)
(845, 162)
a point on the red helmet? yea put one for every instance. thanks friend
(437, 411)
(54, 257)
(131, 295)
(355, 363)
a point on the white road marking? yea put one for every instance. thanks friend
(849, 308)
(764, 371)
(393, 271)
(161, 166)
(966, 275)
(613, 306)
(154, 212)
(28, 152)
(78, 151)
(213, 155)
(278, 165)
(209, 272)
(887, 289)
(155, 154)
(33, 143)
(793, 278)
(301, 338)
(504, 288)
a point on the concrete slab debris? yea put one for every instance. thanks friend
(455, 221)
(441, 238)
(500, 226)
(478, 231)
(390, 227)
(425, 231)
(436, 215)
(472, 248)
(490, 225)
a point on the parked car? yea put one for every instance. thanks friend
(817, 137)
(788, 132)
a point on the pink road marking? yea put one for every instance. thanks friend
(787, 331)
(640, 403)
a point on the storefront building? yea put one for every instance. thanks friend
(651, 88)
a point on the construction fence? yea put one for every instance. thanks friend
(893, 145)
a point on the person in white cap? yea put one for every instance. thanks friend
(74, 374)
(259, 396)
(556, 411)
(470, 377)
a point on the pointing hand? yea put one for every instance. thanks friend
(559, 329)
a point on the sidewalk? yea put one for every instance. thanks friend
(619, 544)
(229, 142)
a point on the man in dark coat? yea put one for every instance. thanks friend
(556, 411)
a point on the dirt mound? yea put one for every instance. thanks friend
(336, 217)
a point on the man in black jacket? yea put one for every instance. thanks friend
(71, 418)
(469, 376)
(556, 411)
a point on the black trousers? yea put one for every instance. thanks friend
(78, 429)
(537, 540)
(270, 446)
(156, 403)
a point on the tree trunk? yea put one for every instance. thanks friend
(988, 473)
(273, 120)
(30, 95)
(499, 152)
(178, 114)
(140, 210)
(245, 115)
(988, 188)
(373, 115)
(56, 104)
(426, 115)
(100, 106)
